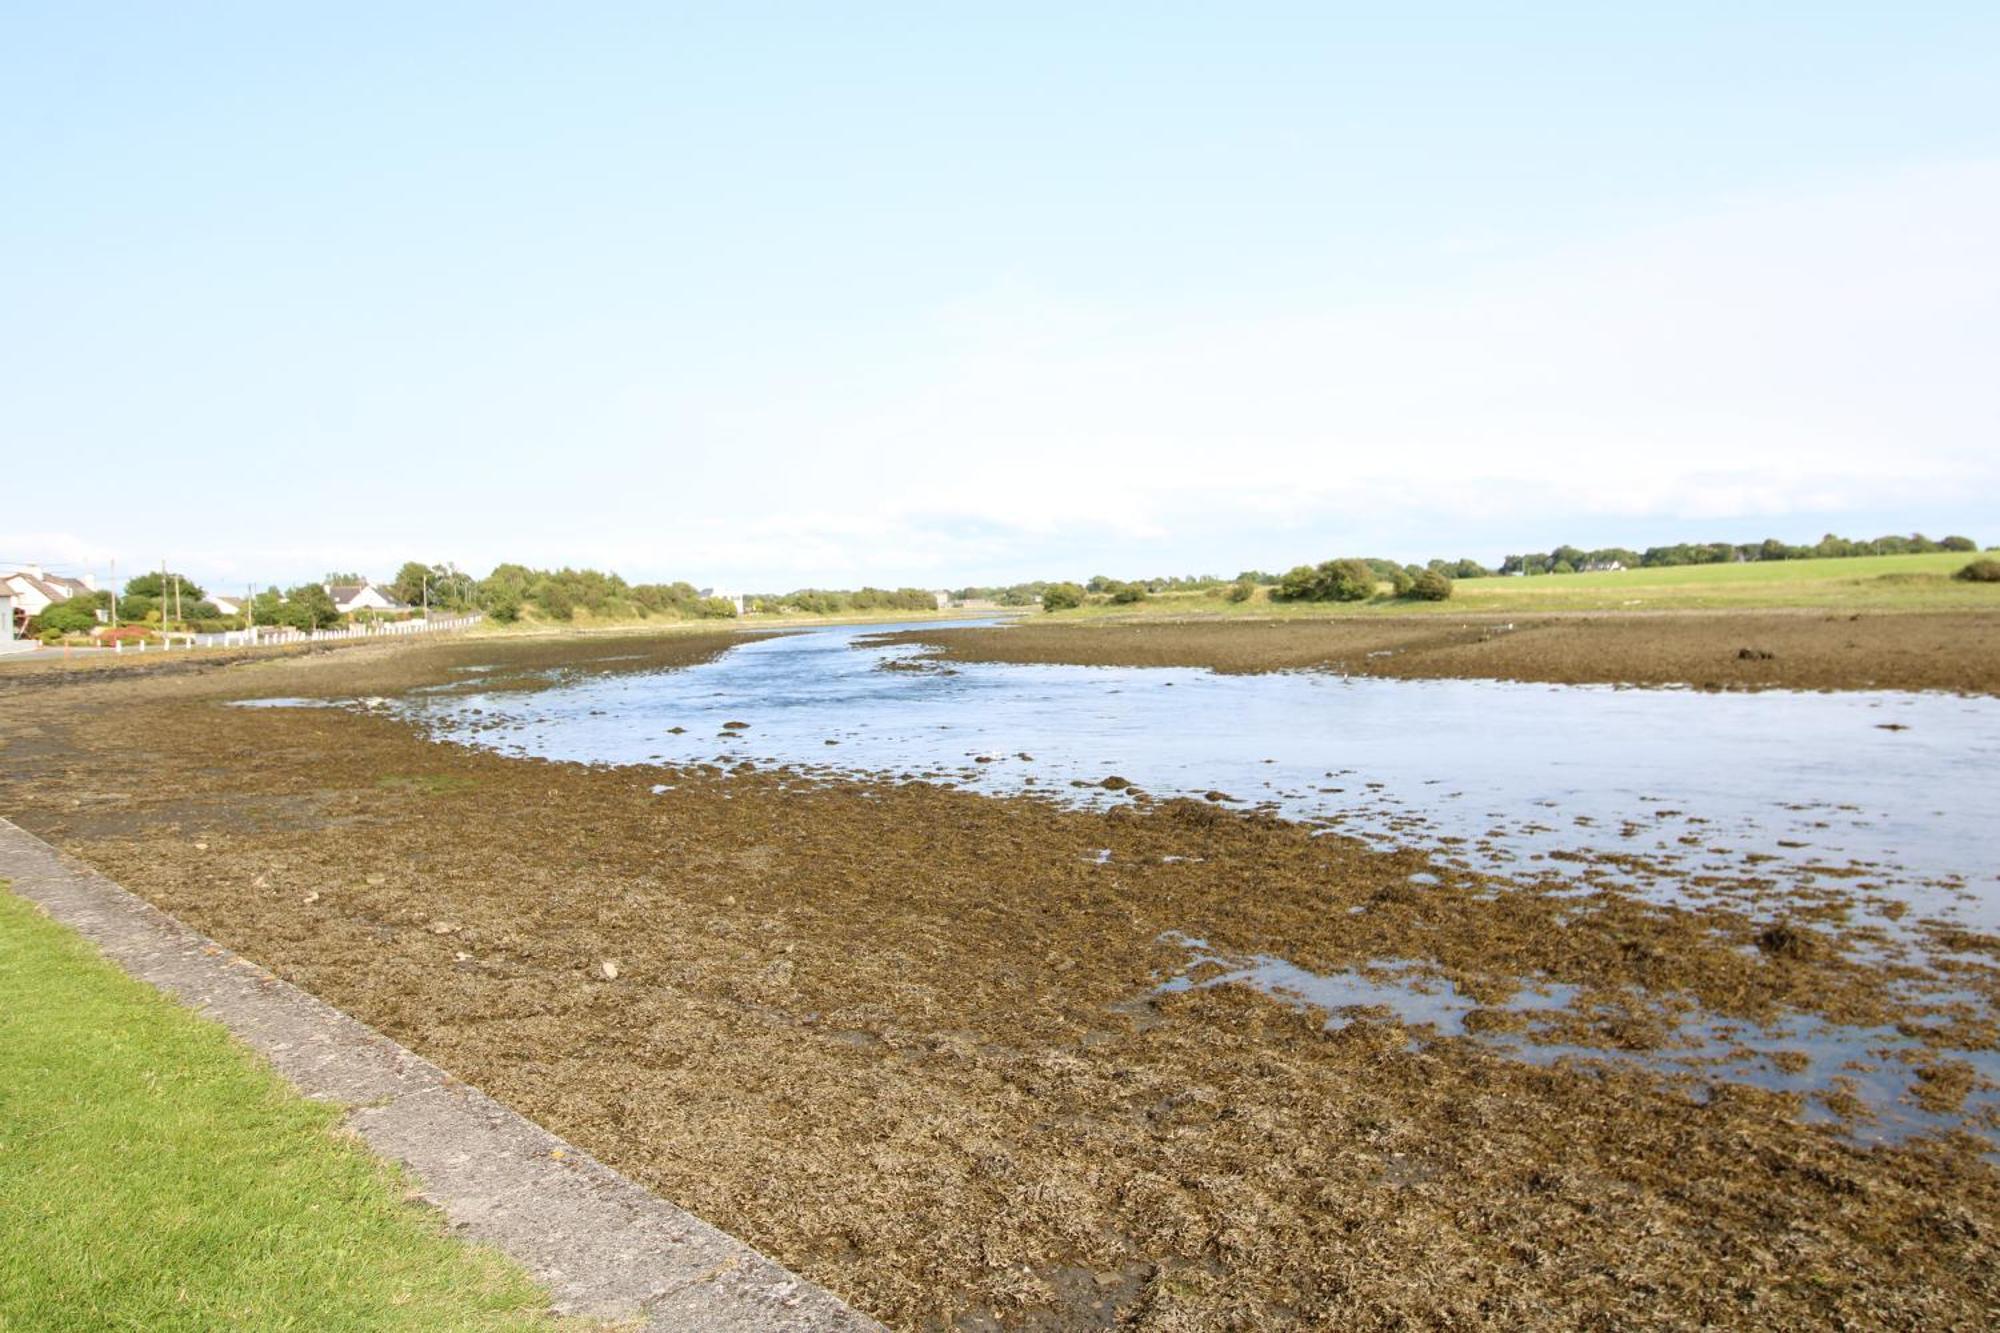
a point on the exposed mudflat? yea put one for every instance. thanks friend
(1800, 650)
(971, 1060)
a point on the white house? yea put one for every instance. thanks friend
(6, 615)
(351, 597)
(735, 599)
(227, 605)
(35, 591)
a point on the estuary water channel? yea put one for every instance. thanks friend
(1877, 805)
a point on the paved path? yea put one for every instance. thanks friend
(602, 1245)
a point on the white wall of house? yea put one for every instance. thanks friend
(6, 616)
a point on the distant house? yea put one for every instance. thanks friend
(227, 605)
(735, 599)
(34, 591)
(351, 597)
(943, 599)
(6, 615)
(1602, 566)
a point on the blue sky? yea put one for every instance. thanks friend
(779, 295)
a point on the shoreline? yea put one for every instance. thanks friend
(910, 1041)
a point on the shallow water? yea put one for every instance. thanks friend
(1810, 789)
(1775, 793)
(1802, 1054)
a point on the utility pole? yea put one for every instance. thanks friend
(114, 594)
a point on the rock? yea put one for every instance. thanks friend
(312, 896)
(377, 881)
(443, 928)
(1754, 655)
(736, 726)
(201, 846)
(1115, 783)
(608, 969)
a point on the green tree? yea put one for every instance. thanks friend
(309, 606)
(154, 585)
(412, 580)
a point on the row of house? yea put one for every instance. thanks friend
(30, 590)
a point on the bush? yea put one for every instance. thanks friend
(1399, 582)
(1125, 594)
(1429, 586)
(1241, 591)
(1062, 597)
(1329, 581)
(1349, 580)
(1979, 571)
(67, 618)
(503, 604)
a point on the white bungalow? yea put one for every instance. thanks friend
(34, 591)
(351, 597)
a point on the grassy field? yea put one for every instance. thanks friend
(1874, 583)
(154, 1176)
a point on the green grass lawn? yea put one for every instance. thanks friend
(155, 1175)
(1876, 583)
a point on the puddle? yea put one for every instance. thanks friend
(1801, 1054)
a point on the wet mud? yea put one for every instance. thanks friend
(975, 1061)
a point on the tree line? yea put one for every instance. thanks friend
(1574, 560)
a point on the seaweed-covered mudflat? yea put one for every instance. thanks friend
(977, 1046)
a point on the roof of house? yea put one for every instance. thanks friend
(53, 587)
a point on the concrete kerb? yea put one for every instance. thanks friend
(602, 1245)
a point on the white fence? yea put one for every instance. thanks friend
(261, 636)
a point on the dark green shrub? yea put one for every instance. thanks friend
(1328, 581)
(1429, 586)
(1241, 591)
(1399, 581)
(1979, 571)
(1125, 594)
(503, 604)
(1349, 580)
(1062, 597)
(67, 618)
